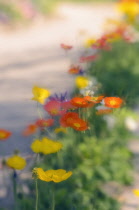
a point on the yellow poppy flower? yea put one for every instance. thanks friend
(46, 146)
(16, 162)
(89, 42)
(136, 192)
(60, 129)
(51, 175)
(131, 9)
(36, 146)
(50, 146)
(40, 94)
(81, 82)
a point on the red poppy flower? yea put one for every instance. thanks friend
(102, 43)
(31, 129)
(44, 123)
(67, 119)
(113, 102)
(120, 32)
(4, 134)
(79, 125)
(66, 47)
(88, 58)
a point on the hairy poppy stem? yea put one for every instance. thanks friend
(15, 189)
(39, 112)
(37, 194)
(53, 198)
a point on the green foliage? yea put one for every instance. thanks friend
(26, 203)
(11, 11)
(46, 6)
(117, 71)
(94, 162)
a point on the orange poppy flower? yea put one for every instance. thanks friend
(113, 102)
(90, 102)
(96, 99)
(67, 119)
(74, 70)
(79, 125)
(31, 129)
(79, 102)
(4, 134)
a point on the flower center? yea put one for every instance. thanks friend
(77, 125)
(54, 111)
(113, 102)
(45, 123)
(2, 135)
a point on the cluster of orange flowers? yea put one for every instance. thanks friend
(71, 118)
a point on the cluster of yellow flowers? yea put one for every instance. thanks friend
(46, 146)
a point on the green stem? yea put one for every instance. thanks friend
(39, 112)
(53, 198)
(15, 189)
(37, 194)
(49, 133)
(79, 110)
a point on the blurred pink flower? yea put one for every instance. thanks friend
(54, 108)
(27, 9)
(89, 58)
(66, 47)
